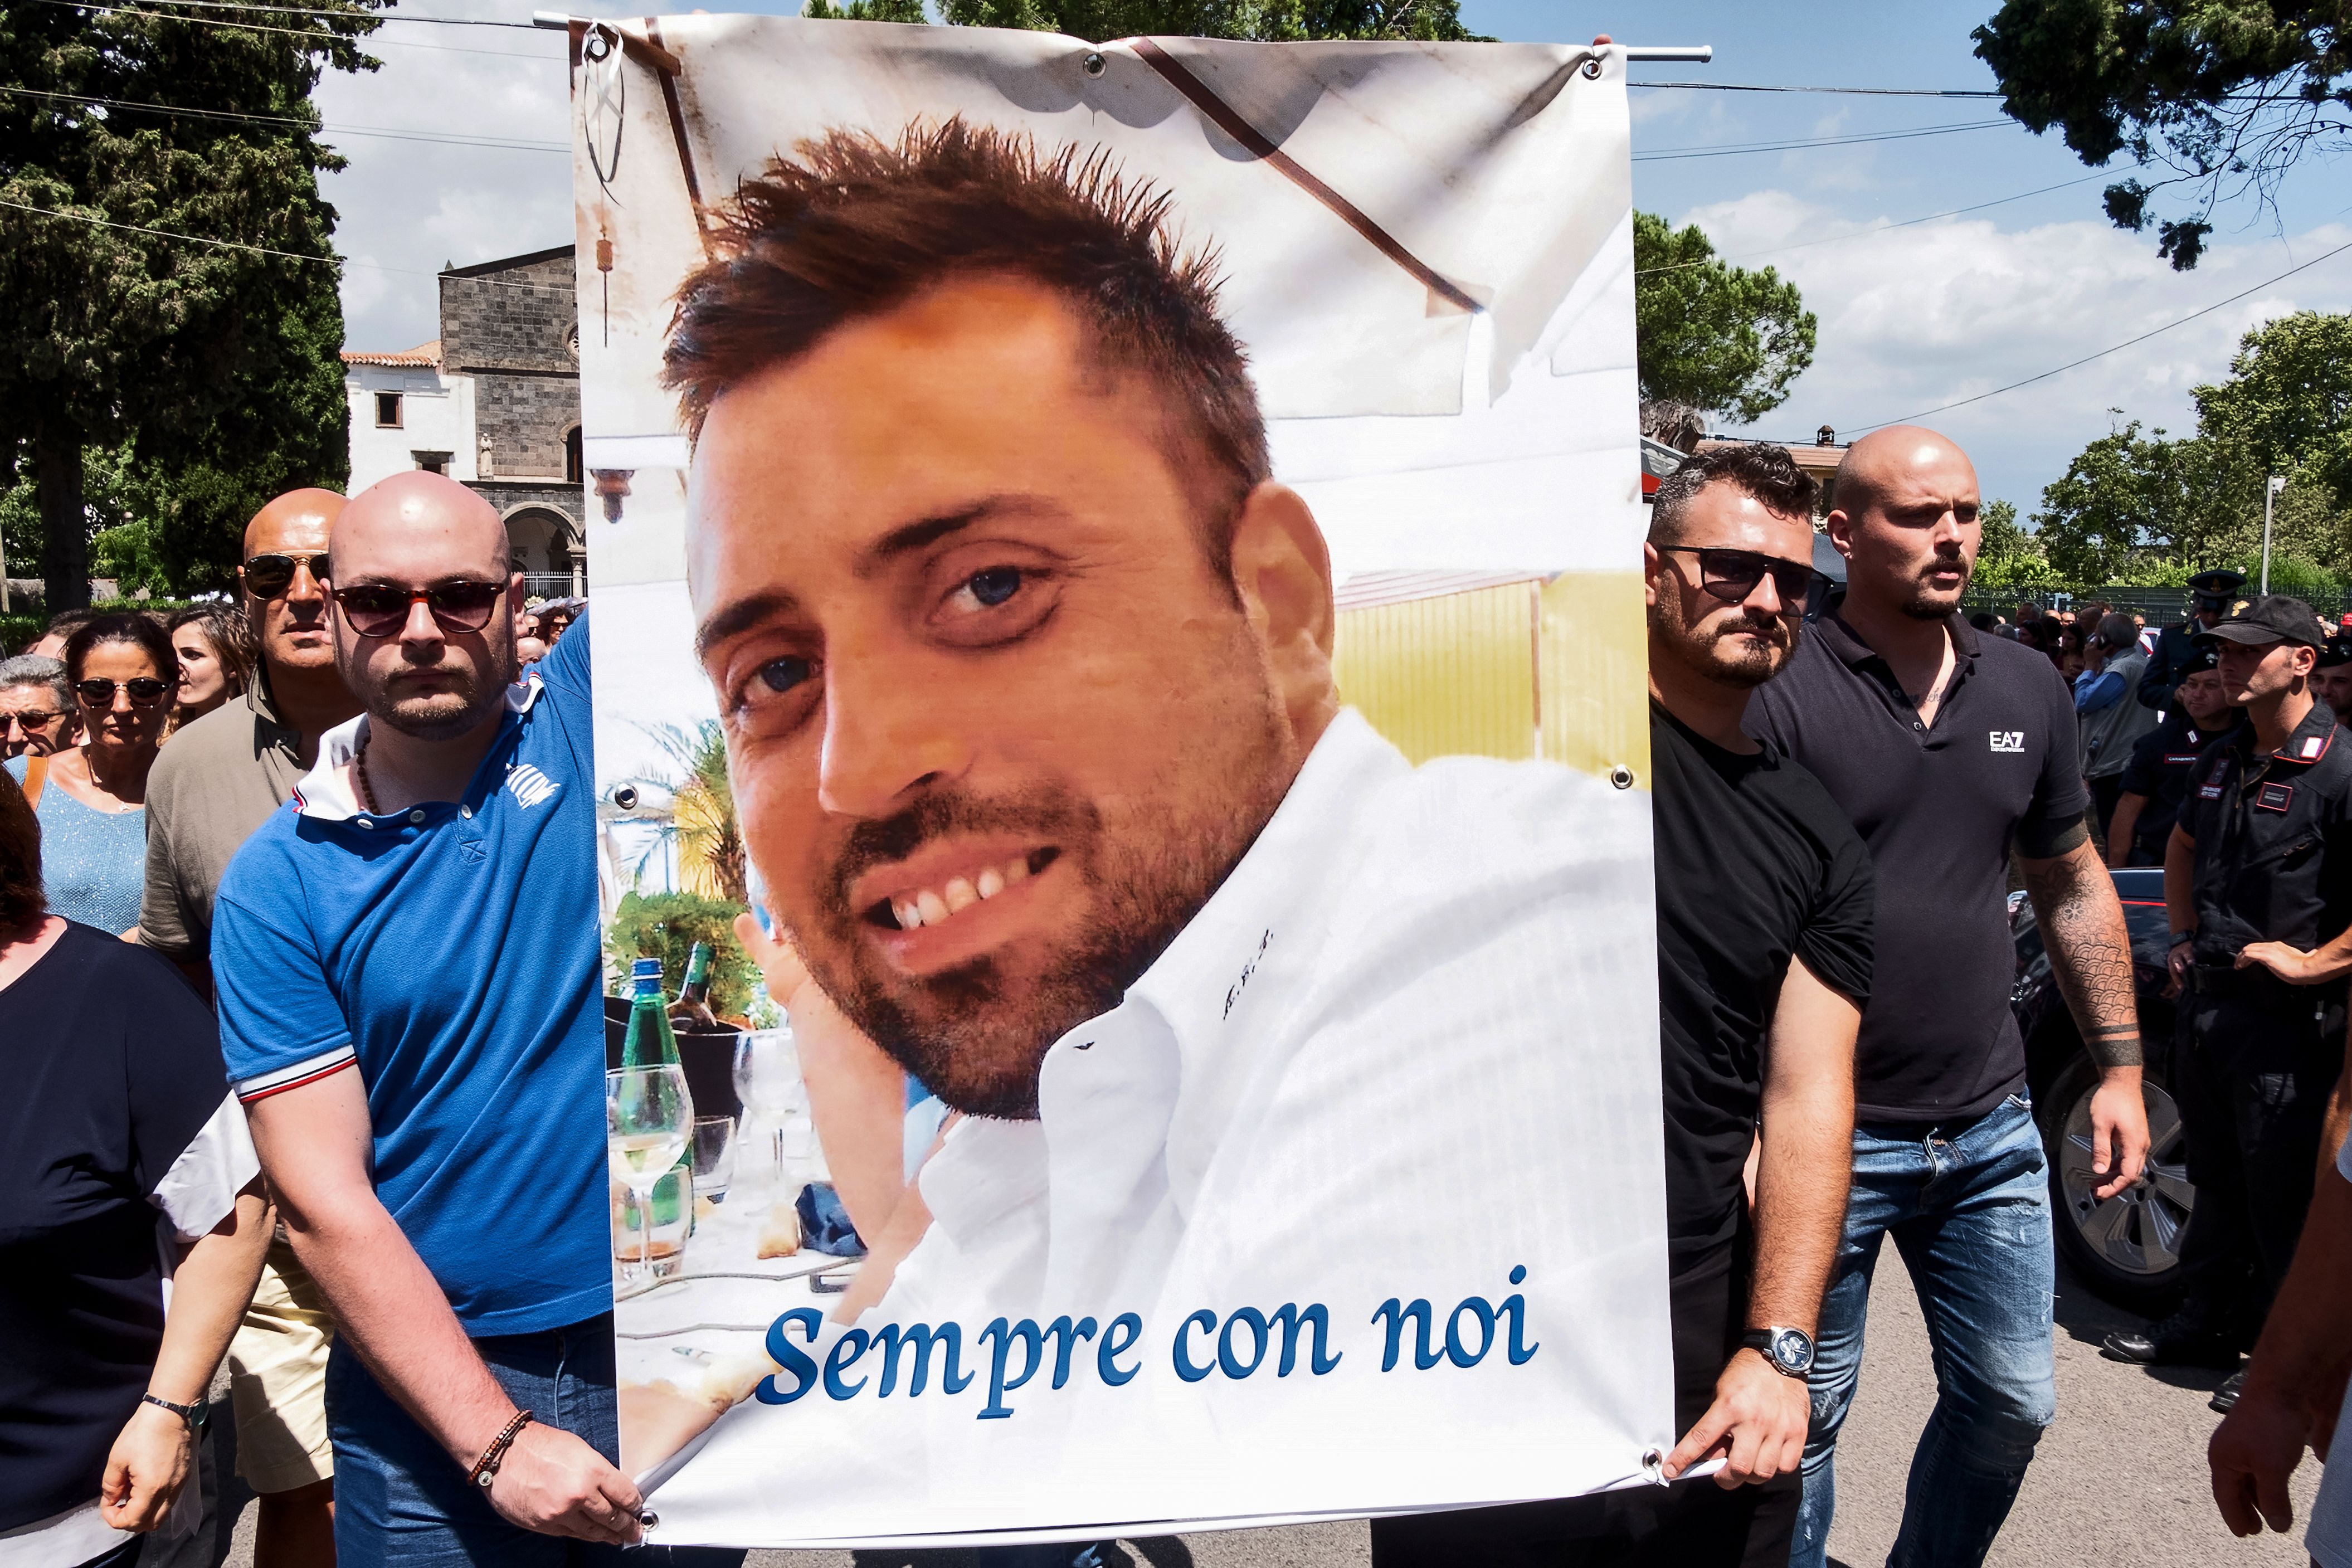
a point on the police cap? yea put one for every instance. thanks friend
(2335, 651)
(2218, 583)
(2274, 617)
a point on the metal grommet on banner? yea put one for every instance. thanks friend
(1654, 1465)
(625, 798)
(1621, 776)
(1592, 68)
(1093, 65)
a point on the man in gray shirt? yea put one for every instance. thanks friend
(219, 780)
(2106, 704)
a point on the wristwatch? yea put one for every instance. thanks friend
(194, 1415)
(1790, 1352)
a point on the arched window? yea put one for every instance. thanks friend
(575, 470)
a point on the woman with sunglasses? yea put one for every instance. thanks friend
(92, 803)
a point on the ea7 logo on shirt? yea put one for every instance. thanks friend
(2008, 741)
(529, 786)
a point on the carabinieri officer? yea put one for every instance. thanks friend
(2156, 781)
(2215, 591)
(2258, 887)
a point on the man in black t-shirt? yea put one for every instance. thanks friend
(1950, 749)
(1764, 955)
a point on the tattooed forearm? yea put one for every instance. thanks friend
(2090, 950)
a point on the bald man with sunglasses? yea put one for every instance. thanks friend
(220, 779)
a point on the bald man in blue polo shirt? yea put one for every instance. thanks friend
(407, 966)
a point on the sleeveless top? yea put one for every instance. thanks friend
(93, 863)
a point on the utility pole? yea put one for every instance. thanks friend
(2269, 491)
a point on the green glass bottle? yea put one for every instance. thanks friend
(650, 1043)
(692, 1008)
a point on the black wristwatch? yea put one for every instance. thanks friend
(194, 1415)
(1789, 1352)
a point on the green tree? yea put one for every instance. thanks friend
(212, 365)
(666, 926)
(1265, 21)
(1261, 20)
(1717, 337)
(2287, 404)
(2008, 556)
(2218, 97)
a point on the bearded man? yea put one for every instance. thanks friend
(1764, 931)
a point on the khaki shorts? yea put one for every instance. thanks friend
(277, 1379)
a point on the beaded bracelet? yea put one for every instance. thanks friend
(486, 1468)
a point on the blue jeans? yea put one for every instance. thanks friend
(1969, 1208)
(400, 1498)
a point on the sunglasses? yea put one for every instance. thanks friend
(381, 609)
(268, 576)
(145, 691)
(1732, 574)
(36, 719)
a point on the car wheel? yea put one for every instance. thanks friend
(2126, 1248)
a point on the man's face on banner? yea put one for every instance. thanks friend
(997, 727)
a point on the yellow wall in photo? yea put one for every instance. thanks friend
(1515, 668)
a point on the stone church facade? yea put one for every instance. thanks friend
(494, 402)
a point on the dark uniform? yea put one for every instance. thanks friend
(2258, 1057)
(2159, 770)
(2176, 647)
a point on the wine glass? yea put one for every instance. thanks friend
(768, 1082)
(649, 1121)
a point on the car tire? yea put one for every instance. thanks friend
(2126, 1248)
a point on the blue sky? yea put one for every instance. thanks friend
(1911, 317)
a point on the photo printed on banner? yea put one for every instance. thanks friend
(1121, 702)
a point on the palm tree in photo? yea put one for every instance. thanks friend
(702, 826)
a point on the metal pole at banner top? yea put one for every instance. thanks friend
(1676, 54)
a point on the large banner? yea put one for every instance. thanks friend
(1125, 558)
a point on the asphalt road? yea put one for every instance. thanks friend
(2120, 1479)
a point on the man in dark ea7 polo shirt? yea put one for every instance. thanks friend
(1950, 749)
(2258, 890)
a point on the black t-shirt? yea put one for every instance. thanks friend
(2159, 770)
(1755, 865)
(113, 1071)
(1940, 809)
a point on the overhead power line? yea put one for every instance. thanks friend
(370, 15)
(1801, 144)
(396, 133)
(310, 33)
(1861, 233)
(265, 250)
(2117, 348)
(1895, 91)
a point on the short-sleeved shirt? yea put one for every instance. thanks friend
(217, 780)
(93, 861)
(2158, 771)
(1940, 809)
(1756, 866)
(2273, 836)
(116, 1134)
(449, 953)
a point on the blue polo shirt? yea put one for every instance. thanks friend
(448, 955)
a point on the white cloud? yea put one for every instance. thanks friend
(1916, 317)
(407, 207)
(1911, 318)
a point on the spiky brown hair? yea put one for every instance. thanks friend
(850, 227)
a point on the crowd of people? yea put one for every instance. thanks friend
(233, 842)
